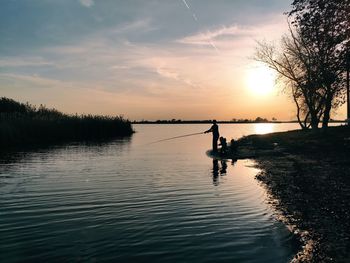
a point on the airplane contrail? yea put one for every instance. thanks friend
(195, 17)
(186, 4)
(210, 42)
(213, 45)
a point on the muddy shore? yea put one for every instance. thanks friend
(307, 175)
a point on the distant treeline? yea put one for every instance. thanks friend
(257, 120)
(24, 124)
(172, 121)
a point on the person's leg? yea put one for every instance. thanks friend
(215, 144)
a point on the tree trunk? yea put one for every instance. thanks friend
(314, 121)
(348, 89)
(301, 123)
(327, 112)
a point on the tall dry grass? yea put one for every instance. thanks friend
(22, 124)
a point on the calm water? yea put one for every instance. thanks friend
(130, 201)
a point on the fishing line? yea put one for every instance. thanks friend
(176, 137)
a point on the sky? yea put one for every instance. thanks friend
(143, 59)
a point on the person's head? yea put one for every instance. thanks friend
(214, 121)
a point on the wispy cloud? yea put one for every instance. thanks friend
(23, 61)
(137, 25)
(204, 38)
(229, 36)
(172, 74)
(87, 3)
(35, 81)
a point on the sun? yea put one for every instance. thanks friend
(260, 80)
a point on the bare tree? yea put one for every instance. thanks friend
(313, 59)
(324, 26)
(295, 64)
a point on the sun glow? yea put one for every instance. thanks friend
(260, 80)
(263, 128)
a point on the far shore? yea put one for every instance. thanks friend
(223, 122)
(307, 175)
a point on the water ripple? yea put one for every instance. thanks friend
(116, 203)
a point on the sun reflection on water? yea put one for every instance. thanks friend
(263, 128)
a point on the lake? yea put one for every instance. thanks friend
(131, 200)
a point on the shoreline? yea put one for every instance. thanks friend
(307, 176)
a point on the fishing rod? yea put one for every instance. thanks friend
(176, 137)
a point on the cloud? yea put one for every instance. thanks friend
(227, 36)
(204, 38)
(34, 81)
(172, 74)
(87, 3)
(120, 67)
(23, 61)
(137, 25)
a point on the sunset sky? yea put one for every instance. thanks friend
(143, 59)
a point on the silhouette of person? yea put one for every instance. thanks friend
(214, 129)
(233, 161)
(218, 170)
(215, 172)
(223, 144)
(233, 146)
(223, 167)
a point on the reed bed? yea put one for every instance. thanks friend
(23, 124)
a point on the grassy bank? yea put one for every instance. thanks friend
(308, 177)
(24, 124)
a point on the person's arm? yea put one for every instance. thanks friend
(210, 130)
